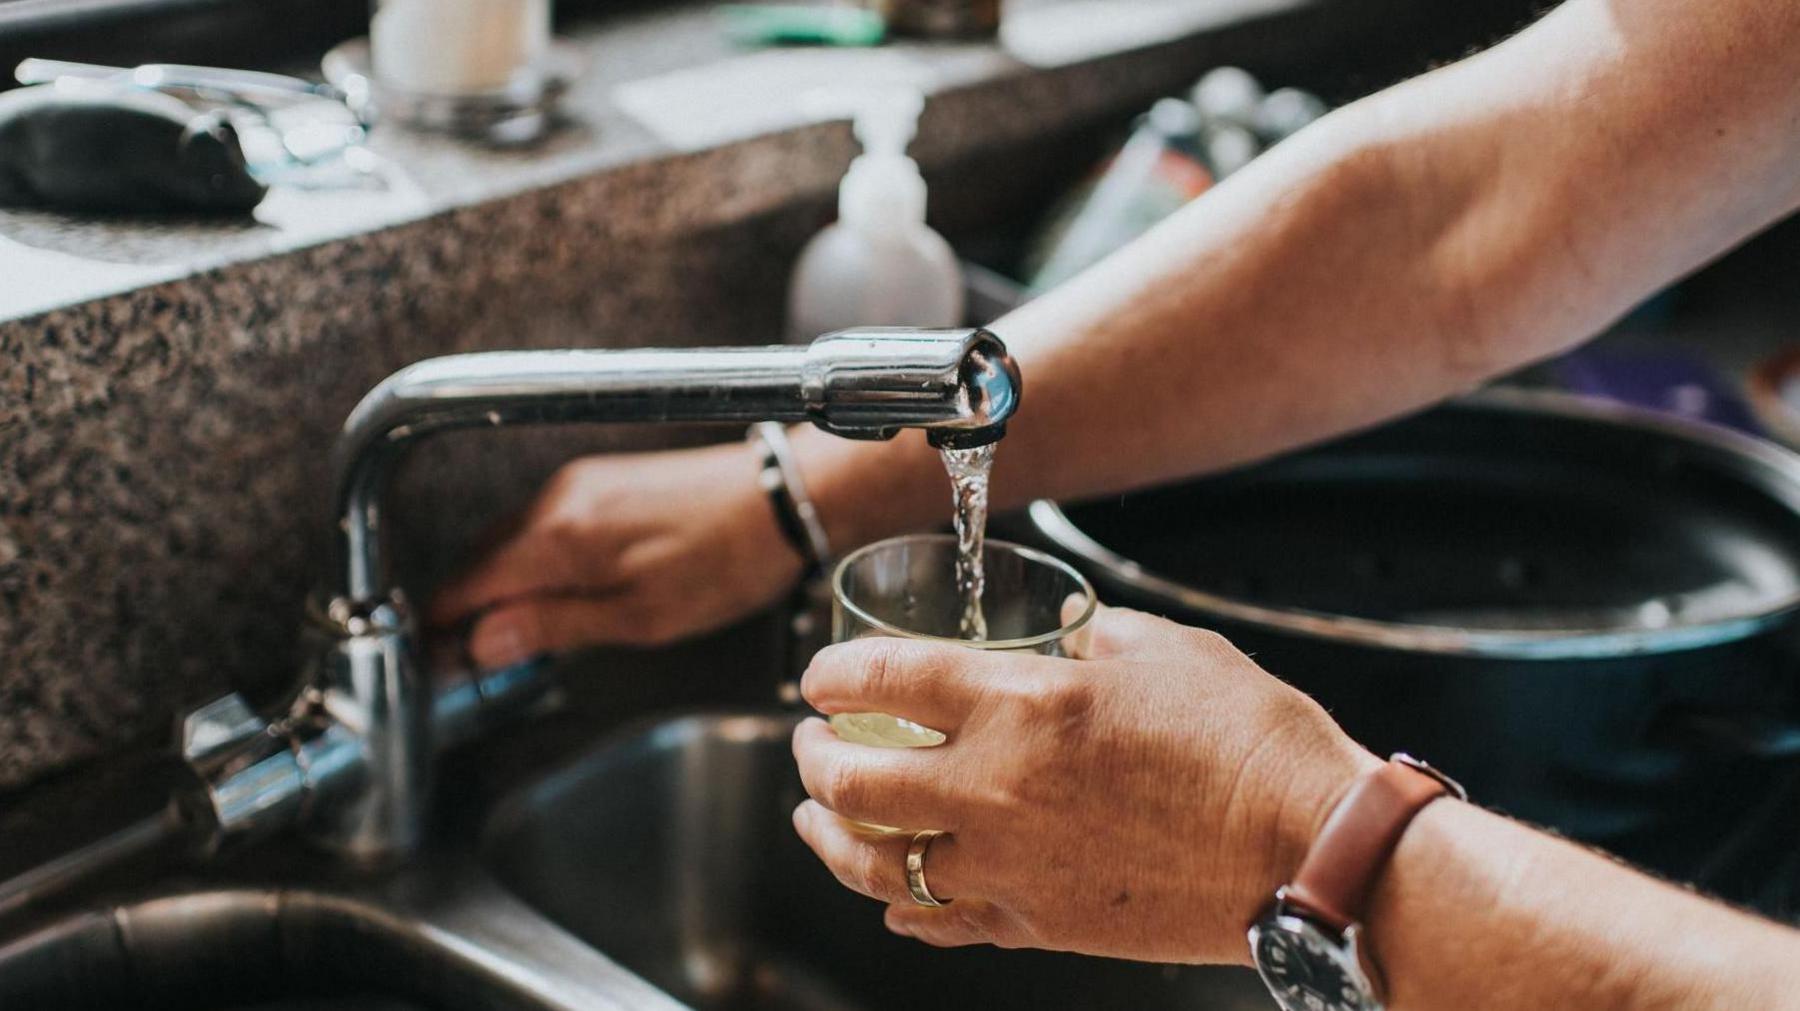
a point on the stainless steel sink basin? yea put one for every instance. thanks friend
(423, 942)
(242, 950)
(671, 850)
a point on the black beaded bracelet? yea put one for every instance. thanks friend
(795, 514)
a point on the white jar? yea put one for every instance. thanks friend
(456, 47)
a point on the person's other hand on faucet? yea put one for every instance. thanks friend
(636, 550)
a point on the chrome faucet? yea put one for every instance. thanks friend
(351, 757)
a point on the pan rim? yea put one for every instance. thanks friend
(1770, 468)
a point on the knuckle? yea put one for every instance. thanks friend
(825, 669)
(523, 623)
(870, 871)
(1209, 642)
(875, 667)
(563, 485)
(1129, 622)
(1024, 785)
(1027, 788)
(1063, 701)
(563, 531)
(1289, 708)
(642, 616)
(1071, 701)
(846, 873)
(885, 663)
(1132, 616)
(577, 473)
(632, 620)
(655, 624)
(844, 788)
(973, 919)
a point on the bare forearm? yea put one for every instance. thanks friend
(1230, 332)
(1402, 250)
(1478, 912)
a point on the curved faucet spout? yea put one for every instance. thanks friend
(351, 759)
(961, 386)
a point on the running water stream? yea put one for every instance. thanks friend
(969, 470)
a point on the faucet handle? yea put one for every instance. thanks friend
(218, 729)
(246, 776)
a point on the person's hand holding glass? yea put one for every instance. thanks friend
(907, 587)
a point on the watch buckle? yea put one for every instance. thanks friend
(1421, 766)
(1281, 902)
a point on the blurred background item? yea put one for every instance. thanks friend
(456, 47)
(168, 138)
(1178, 150)
(801, 25)
(941, 19)
(1155, 173)
(482, 70)
(1658, 375)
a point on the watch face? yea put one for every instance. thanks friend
(1308, 969)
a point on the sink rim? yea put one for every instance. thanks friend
(441, 914)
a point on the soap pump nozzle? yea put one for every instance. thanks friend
(883, 185)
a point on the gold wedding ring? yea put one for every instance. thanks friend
(915, 868)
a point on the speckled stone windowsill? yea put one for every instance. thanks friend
(658, 86)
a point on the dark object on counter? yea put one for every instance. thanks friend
(1584, 611)
(106, 148)
(941, 19)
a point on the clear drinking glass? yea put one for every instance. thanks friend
(906, 587)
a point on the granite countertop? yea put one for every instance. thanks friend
(658, 86)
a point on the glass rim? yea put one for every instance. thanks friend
(840, 596)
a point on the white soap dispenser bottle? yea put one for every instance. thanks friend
(879, 264)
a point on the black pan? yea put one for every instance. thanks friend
(1586, 612)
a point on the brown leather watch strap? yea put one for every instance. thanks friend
(1360, 834)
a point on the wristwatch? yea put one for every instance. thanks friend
(1308, 944)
